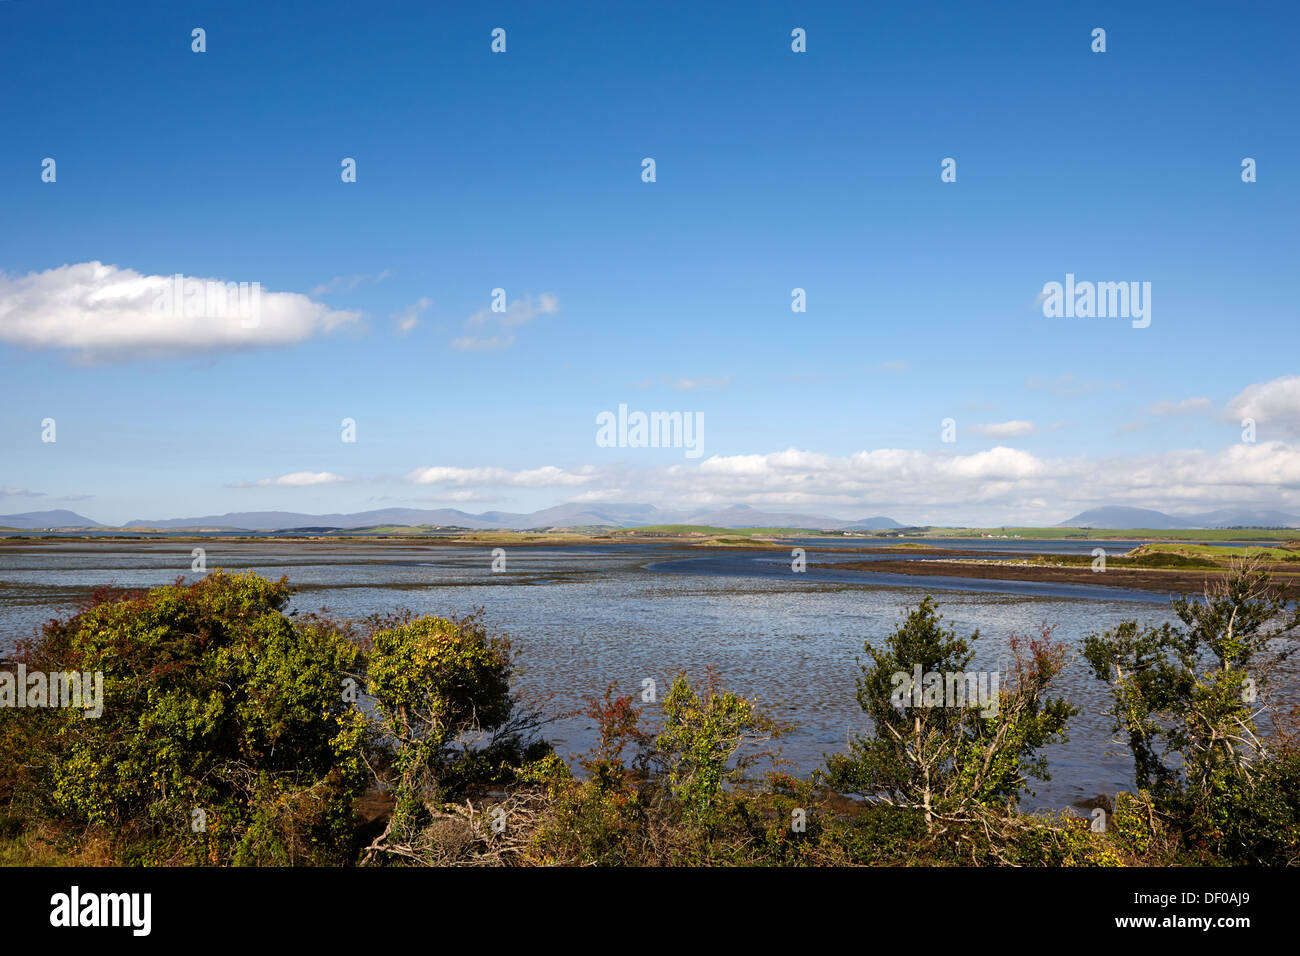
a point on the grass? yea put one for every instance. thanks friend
(669, 530)
(50, 845)
(1177, 556)
(1178, 562)
(1218, 551)
(422, 529)
(730, 542)
(517, 537)
(704, 529)
(1123, 534)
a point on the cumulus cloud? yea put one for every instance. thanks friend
(872, 479)
(1269, 403)
(998, 484)
(297, 479)
(109, 314)
(992, 486)
(1004, 429)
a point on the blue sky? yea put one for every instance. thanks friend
(522, 170)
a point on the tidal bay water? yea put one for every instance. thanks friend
(585, 617)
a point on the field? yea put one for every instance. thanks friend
(656, 530)
(1125, 534)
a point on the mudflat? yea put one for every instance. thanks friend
(1134, 579)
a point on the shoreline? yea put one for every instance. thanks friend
(1127, 579)
(953, 562)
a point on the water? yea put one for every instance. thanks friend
(583, 617)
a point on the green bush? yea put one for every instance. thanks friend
(453, 731)
(1185, 696)
(221, 714)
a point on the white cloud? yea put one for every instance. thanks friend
(1004, 429)
(994, 486)
(297, 479)
(535, 477)
(604, 494)
(460, 495)
(1001, 464)
(1269, 403)
(869, 478)
(466, 495)
(517, 313)
(409, 317)
(348, 283)
(110, 314)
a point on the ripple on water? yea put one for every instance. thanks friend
(585, 618)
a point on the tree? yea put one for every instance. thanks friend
(1186, 696)
(953, 761)
(441, 687)
(706, 742)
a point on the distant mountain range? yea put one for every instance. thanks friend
(561, 516)
(626, 516)
(48, 519)
(1121, 517)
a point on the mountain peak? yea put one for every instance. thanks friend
(33, 520)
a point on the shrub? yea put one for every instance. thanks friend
(218, 709)
(441, 688)
(1185, 696)
(707, 742)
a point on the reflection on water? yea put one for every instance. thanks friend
(585, 617)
